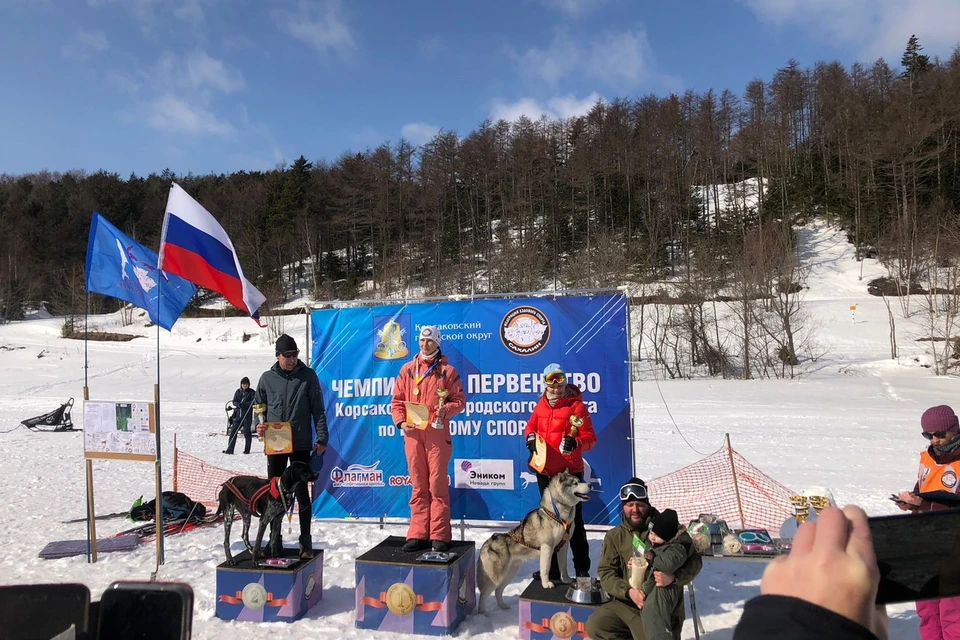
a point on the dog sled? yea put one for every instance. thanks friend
(56, 420)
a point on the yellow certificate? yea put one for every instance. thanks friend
(418, 415)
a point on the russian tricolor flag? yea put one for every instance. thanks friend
(195, 247)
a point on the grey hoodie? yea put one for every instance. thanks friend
(294, 397)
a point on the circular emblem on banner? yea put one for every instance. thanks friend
(562, 624)
(400, 599)
(254, 596)
(311, 583)
(524, 330)
(949, 479)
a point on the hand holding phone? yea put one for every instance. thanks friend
(832, 564)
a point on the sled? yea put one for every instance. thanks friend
(57, 420)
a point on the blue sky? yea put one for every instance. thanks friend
(223, 85)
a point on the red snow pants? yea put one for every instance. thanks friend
(428, 455)
(939, 619)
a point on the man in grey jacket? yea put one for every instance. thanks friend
(290, 392)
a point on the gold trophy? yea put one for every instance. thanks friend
(442, 393)
(260, 410)
(575, 422)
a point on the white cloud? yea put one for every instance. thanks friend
(555, 108)
(202, 70)
(621, 60)
(878, 28)
(190, 11)
(84, 45)
(170, 113)
(318, 24)
(573, 8)
(419, 132)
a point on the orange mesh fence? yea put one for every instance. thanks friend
(199, 479)
(707, 486)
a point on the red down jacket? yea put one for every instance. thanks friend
(552, 423)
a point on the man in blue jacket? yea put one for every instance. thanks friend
(290, 392)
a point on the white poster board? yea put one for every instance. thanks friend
(119, 430)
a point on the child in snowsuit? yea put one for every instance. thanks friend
(669, 546)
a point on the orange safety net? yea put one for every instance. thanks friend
(711, 485)
(199, 479)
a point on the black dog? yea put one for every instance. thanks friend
(266, 499)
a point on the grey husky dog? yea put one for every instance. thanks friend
(541, 533)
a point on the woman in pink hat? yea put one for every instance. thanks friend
(937, 488)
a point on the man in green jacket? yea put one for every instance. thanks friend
(290, 392)
(620, 618)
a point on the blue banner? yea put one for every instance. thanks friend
(500, 348)
(120, 267)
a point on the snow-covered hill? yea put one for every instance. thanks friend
(850, 423)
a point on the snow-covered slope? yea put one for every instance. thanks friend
(851, 423)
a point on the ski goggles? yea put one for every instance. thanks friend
(555, 378)
(633, 491)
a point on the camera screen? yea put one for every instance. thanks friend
(918, 555)
(144, 614)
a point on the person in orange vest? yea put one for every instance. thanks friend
(562, 420)
(428, 450)
(937, 488)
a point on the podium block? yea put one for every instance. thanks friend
(270, 593)
(546, 613)
(398, 592)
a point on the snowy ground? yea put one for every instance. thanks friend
(852, 424)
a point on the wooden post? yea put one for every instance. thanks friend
(91, 511)
(736, 485)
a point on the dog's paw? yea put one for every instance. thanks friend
(503, 605)
(547, 584)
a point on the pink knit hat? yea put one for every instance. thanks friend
(939, 418)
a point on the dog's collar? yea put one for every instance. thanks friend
(556, 515)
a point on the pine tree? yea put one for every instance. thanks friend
(914, 62)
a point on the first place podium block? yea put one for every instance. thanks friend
(396, 591)
(270, 593)
(546, 613)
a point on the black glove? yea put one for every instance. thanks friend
(568, 444)
(532, 443)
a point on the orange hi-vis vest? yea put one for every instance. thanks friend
(934, 476)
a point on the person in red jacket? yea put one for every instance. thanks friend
(937, 478)
(428, 450)
(562, 420)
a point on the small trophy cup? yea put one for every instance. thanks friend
(575, 422)
(261, 412)
(442, 393)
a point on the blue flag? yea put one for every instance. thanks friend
(122, 268)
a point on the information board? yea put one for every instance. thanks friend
(119, 430)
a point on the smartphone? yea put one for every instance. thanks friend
(918, 555)
(146, 611)
(43, 611)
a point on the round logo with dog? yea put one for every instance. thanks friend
(524, 330)
(563, 625)
(401, 599)
(254, 596)
(949, 479)
(311, 584)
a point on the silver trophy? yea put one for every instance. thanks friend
(437, 422)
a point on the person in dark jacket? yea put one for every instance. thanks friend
(562, 420)
(825, 588)
(620, 618)
(242, 416)
(290, 392)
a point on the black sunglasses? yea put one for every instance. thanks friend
(937, 434)
(291, 354)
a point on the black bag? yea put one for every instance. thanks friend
(176, 506)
